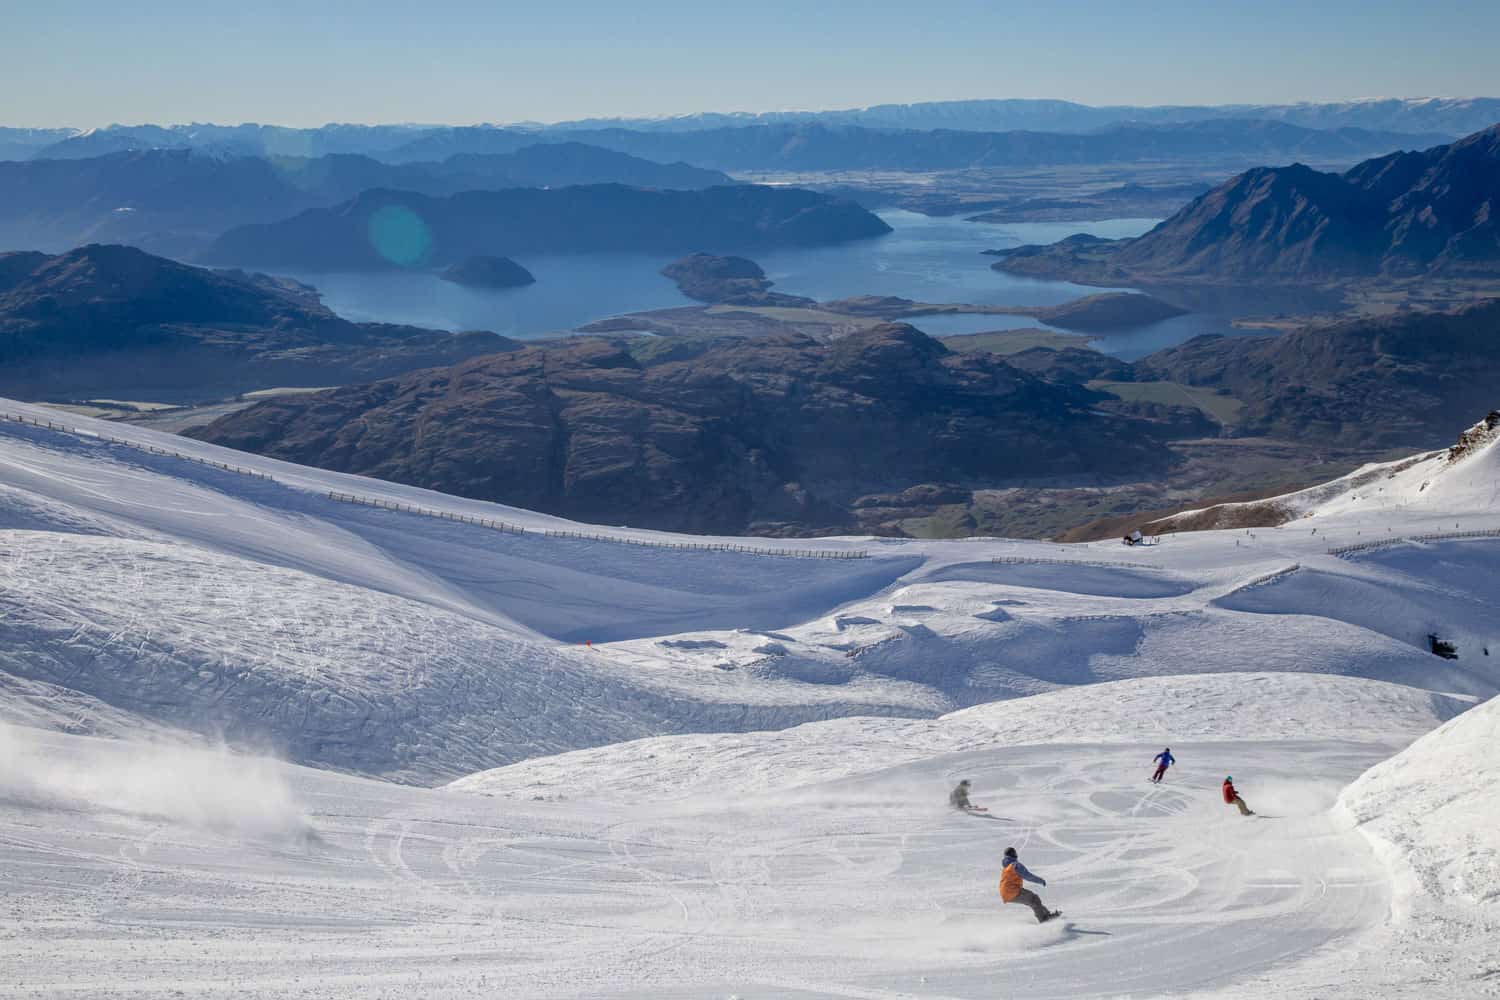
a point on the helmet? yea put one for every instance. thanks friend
(1228, 778)
(1010, 852)
(964, 782)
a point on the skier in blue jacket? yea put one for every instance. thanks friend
(1163, 760)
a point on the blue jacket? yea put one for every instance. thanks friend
(1025, 872)
(1167, 760)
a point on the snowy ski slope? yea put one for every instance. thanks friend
(401, 646)
(661, 813)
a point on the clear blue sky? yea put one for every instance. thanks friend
(92, 62)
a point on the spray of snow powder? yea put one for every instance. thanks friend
(209, 788)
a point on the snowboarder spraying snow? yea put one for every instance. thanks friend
(959, 798)
(1163, 760)
(1232, 797)
(1011, 890)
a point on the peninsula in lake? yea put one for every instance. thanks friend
(384, 228)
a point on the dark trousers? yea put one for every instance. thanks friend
(1034, 901)
(1159, 772)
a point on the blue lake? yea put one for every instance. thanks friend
(927, 259)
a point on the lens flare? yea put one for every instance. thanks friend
(399, 235)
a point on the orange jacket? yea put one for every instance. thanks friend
(1010, 883)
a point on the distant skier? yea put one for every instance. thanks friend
(959, 798)
(1011, 890)
(1163, 760)
(1232, 797)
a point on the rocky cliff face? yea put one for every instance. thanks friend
(106, 319)
(771, 435)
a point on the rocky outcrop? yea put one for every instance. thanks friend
(728, 281)
(1475, 437)
(776, 435)
(113, 320)
(488, 272)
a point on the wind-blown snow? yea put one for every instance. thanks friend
(207, 788)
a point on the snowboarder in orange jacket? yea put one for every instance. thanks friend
(1012, 891)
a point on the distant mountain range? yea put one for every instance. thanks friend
(812, 144)
(1449, 117)
(382, 229)
(224, 140)
(177, 200)
(820, 146)
(1405, 214)
(777, 434)
(113, 320)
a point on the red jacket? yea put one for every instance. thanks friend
(1229, 793)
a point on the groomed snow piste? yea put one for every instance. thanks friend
(659, 812)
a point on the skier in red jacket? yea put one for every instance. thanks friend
(1232, 797)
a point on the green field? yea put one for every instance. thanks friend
(1224, 409)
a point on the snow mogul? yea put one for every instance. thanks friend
(959, 798)
(1232, 797)
(1012, 891)
(1163, 761)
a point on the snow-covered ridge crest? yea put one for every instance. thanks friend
(1462, 478)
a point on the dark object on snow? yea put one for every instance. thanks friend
(1441, 647)
(1232, 798)
(959, 798)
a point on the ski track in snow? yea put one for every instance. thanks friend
(860, 887)
(637, 833)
